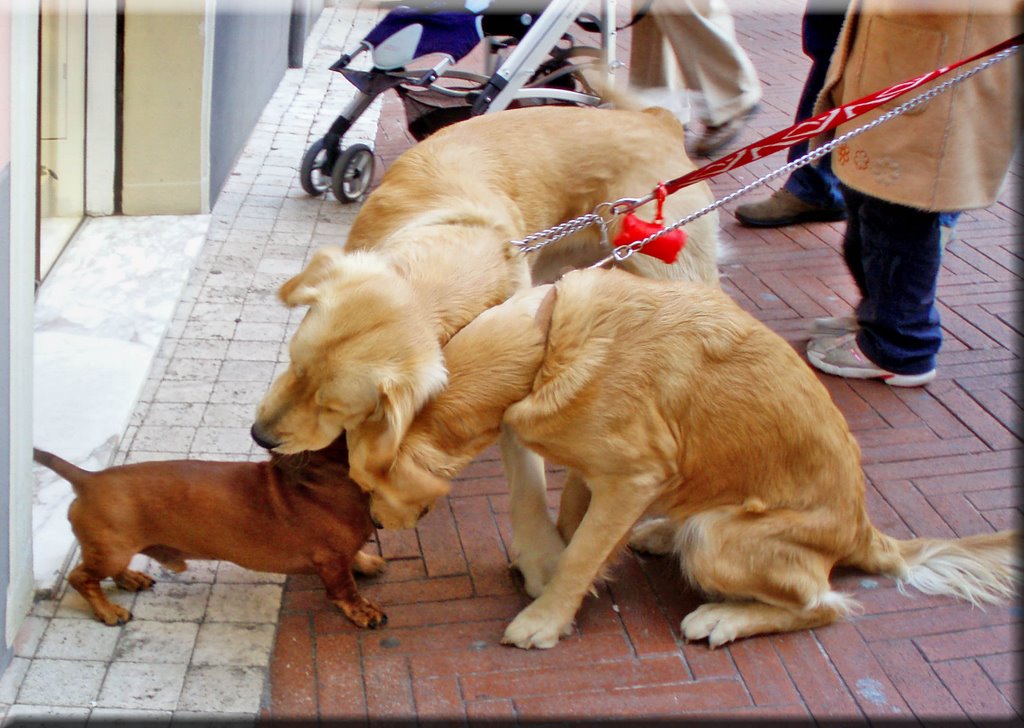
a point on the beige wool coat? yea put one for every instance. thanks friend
(952, 153)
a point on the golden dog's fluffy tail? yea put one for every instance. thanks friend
(614, 96)
(623, 96)
(71, 473)
(979, 569)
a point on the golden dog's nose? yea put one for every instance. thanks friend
(261, 438)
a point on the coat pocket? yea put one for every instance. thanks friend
(894, 51)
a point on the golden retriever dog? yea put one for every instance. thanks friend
(431, 249)
(673, 403)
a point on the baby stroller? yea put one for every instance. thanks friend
(543, 65)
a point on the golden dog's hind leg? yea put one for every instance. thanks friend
(771, 570)
(722, 622)
(614, 508)
(536, 544)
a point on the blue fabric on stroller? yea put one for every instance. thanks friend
(454, 34)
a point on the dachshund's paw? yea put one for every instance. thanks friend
(363, 613)
(112, 615)
(134, 580)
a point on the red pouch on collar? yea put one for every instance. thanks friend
(665, 248)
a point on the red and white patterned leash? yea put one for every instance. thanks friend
(830, 119)
(765, 147)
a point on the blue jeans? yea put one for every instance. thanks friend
(815, 184)
(893, 253)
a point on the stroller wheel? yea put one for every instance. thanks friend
(313, 175)
(353, 173)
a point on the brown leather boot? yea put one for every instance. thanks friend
(785, 208)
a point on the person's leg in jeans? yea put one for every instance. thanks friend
(901, 255)
(815, 184)
(893, 253)
(852, 241)
(811, 193)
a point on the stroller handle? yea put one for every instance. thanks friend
(346, 58)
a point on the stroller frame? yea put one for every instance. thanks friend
(348, 172)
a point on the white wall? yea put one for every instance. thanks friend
(18, 327)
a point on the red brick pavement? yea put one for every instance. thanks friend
(942, 461)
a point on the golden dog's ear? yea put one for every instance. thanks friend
(546, 309)
(376, 445)
(304, 289)
(418, 484)
(406, 495)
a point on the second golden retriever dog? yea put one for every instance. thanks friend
(431, 248)
(674, 403)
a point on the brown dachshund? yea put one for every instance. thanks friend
(294, 514)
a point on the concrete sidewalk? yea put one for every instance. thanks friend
(218, 641)
(200, 642)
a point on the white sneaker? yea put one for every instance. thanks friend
(842, 357)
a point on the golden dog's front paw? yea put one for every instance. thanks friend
(536, 570)
(712, 621)
(368, 564)
(537, 558)
(536, 627)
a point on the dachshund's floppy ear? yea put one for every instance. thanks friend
(304, 289)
